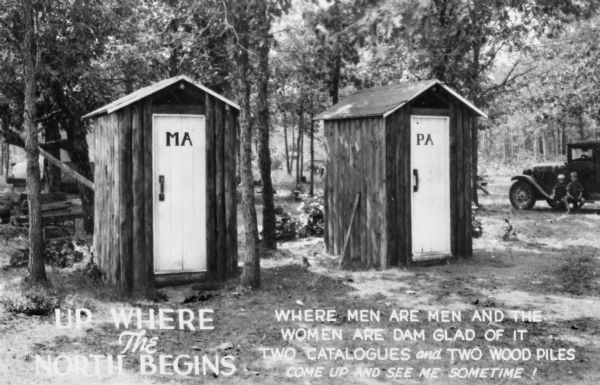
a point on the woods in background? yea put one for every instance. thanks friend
(556, 103)
(532, 64)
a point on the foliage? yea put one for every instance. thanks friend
(476, 227)
(19, 258)
(556, 103)
(30, 302)
(62, 254)
(309, 221)
(569, 85)
(312, 217)
(286, 226)
(276, 163)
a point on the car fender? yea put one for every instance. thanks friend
(531, 181)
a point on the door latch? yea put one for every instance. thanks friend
(416, 174)
(161, 182)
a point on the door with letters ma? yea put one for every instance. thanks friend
(179, 192)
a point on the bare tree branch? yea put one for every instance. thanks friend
(508, 80)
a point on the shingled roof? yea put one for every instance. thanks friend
(151, 89)
(383, 101)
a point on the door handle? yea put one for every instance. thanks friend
(161, 182)
(416, 174)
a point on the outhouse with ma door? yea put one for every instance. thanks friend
(165, 186)
(399, 168)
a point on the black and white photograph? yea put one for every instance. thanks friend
(299, 192)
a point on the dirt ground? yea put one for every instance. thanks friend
(550, 263)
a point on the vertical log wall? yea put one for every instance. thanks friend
(356, 164)
(397, 128)
(461, 193)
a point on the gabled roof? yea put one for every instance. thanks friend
(383, 101)
(586, 142)
(151, 89)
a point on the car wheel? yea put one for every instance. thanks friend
(522, 195)
(556, 205)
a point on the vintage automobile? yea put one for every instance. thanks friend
(536, 183)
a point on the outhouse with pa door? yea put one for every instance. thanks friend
(399, 169)
(165, 186)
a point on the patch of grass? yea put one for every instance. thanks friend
(580, 277)
(30, 302)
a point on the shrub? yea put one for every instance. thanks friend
(309, 222)
(38, 302)
(276, 163)
(476, 227)
(286, 227)
(312, 217)
(62, 254)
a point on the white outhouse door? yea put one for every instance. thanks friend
(179, 192)
(430, 170)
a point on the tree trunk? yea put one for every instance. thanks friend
(475, 92)
(2, 160)
(5, 162)
(474, 161)
(299, 145)
(293, 126)
(301, 162)
(79, 154)
(52, 173)
(482, 143)
(563, 141)
(251, 271)
(335, 78)
(505, 155)
(264, 153)
(37, 268)
(173, 63)
(559, 138)
(288, 166)
(582, 135)
(312, 156)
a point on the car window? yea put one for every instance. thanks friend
(580, 154)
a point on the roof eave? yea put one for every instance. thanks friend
(388, 113)
(100, 111)
(126, 102)
(465, 101)
(374, 115)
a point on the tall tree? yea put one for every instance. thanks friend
(556, 102)
(71, 36)
(251, 271)
(338, 41)
(311, 190)
(300, 71)
(263, 19)
(37, 269)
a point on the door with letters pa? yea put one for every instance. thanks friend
(430, 196)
